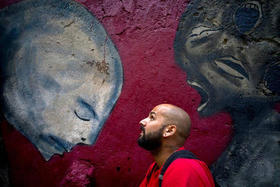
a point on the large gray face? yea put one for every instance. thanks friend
(230, 51)
(61, 73)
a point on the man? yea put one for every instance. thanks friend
(164, 132)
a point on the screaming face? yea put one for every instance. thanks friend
(225, 54)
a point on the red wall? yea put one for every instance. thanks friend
(143, 32)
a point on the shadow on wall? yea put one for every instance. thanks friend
(230, 51)
(61, 74)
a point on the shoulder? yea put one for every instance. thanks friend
(186, 165)
(147, 176)
(190, 172)
(151, 167)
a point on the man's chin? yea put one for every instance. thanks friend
(148, 145)
(142, 143)
(140, 140)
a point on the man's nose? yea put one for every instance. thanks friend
(143, 122)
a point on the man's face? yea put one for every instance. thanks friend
(152, 129)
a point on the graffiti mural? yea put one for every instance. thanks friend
(143, 33)
(61, 74)
(230, 51)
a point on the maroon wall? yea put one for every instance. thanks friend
(143, 32)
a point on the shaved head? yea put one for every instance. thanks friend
(176, 116)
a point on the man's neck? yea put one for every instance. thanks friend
(163, 153)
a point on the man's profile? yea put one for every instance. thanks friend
(163, 133)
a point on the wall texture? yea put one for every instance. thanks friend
(143, 33)
(230, 52)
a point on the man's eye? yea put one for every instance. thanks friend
(152, 117)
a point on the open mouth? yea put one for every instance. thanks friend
(248, 16)
(204, 95)
(141, 131)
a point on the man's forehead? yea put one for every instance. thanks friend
(160, 109)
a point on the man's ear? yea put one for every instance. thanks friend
(169, 131)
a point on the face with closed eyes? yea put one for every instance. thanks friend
(63, 78)
(223, 52)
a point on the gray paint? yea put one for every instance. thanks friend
(230, 51)
(61, 74)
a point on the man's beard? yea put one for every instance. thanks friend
(151, 141)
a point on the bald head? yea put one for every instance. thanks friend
(176, 116)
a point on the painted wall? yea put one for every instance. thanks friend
(143, 33)
(230, 52)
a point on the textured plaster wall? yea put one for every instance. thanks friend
(230, 52)
(143, 32)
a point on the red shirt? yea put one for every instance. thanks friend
(181, 173)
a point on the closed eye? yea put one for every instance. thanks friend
(232, 67)
(201, 34)
(202, 31)
(84, 111)
(81, 116)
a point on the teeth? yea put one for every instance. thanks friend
(250, 5)
(203, 103)
(201, 107)
(253, 4)
(194, 83)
